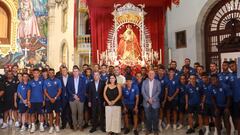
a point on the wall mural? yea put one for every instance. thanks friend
(31, 41)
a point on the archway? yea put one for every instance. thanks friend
(222, 22)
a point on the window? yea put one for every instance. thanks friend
(223, 22)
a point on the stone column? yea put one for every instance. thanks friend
(51, 36)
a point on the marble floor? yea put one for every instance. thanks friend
(14, 131)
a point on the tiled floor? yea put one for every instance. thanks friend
(14, 131)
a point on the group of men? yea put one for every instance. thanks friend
(154, 99)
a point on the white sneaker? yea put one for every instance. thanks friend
(50, 130)
(29, 127)
(206, 130)
(167, 127)
(23, 128)
(33, 129)
(5, 125)
(57, 129)
(179, 126)
(10, 122)
(174, 127)
(41, 128)
(215, 131)
(17, 124)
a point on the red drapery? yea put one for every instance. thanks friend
(102, 22)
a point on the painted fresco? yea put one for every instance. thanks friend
(31, 41)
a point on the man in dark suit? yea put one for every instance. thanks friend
(76, 88)
(66, 111)
(95, 90)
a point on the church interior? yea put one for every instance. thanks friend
(77, 32)
(136, 33)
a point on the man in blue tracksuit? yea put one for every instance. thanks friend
(130, 104)
(193, 101)
(53, 89)
(36, 99)
(235, 88)
(221, 99)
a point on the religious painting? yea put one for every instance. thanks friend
(128, 43)
(181, 40)
(31, 42)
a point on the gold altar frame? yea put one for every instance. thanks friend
(128, 14)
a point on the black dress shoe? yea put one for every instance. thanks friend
(135, 132)
(201, 132)
(103, 130)
(190, 131)
(126, 131)
(71, 127)
(92, 130)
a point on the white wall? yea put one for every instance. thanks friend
(185, 17)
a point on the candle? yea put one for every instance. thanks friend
(152, 56)
(170, 54)
(89, 57)
(160, 56)
(97, 57)
(106, 55)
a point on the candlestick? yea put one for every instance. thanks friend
(97, 57)
(152, 56)
(170, 54)
(160, 56)
(107, 55)
(89, 57)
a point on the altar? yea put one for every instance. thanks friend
(127, 33)
(129, 42)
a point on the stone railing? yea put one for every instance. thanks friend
(84, 42)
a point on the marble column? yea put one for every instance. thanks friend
(51, 35)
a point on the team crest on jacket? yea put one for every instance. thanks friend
(214, 91)
(220, 89)
(133, 90)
